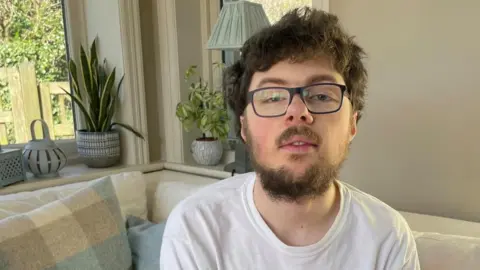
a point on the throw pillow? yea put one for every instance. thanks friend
(145, 240)
(130, 189)
(82, 231)
(445, 252)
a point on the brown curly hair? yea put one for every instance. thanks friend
(301, 34)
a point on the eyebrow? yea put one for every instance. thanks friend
(312, 79)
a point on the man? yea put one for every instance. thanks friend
(298, 92)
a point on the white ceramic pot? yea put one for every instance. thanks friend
(99, 149)
(207, 151)
(43, 158)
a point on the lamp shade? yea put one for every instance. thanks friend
(237, 21)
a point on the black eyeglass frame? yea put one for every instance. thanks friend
(293, 91)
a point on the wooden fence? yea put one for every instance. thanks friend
(31, 100)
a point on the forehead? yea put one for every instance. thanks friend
(290, 74)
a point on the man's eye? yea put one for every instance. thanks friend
(321, 98)
(274, 99)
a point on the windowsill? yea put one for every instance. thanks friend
(73, 174)
(72, 171)
(80, 172)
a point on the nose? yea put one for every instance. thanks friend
(297, 112)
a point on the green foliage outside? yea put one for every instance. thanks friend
(275, 9)
(33, 30)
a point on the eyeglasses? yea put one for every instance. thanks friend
(319, 98)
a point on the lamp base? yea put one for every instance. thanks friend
(242, 160)
(235, 168)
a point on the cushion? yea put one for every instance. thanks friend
(444, 225)
(145, 240)
(129, 188)
(169, 194)
(160, 203)
(82, 231)
(445, 252)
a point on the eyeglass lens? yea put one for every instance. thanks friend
(317, 98)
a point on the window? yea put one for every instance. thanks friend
(275, 9)
(33, 70)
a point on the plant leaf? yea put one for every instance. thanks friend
(94, 98)
(112, 106)
(101, 74)
(74, 74)
(106, 94)
(204, 121)
(184, 111)
(93, 51)
(129, 128)
(90, 124)
(87, 73)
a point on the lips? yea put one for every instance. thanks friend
(298, 141)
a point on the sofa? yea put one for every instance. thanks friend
(115, 220)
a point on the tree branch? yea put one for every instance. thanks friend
(7, 12)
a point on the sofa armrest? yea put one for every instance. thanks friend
(443, 225)
(165, 189)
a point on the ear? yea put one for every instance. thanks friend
(353, 126)
(242, 129)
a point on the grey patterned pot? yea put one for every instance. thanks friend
(207, 151)
(99, 149)
(42, 157)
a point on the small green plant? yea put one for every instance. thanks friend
(204, 108)
(98, 100)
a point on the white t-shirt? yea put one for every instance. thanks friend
(220, 228)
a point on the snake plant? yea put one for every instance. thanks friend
(97, 99)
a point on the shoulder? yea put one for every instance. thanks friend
(385, 226)
(216, 193)
(380, 216)
(207, 203)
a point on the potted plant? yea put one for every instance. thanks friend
(98, 143)
(205, 108)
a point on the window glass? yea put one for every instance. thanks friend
(275, 9)
(33, 70)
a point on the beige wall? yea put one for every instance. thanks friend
(189, 53)
(418, 145)
(189, 39)
(153, 80)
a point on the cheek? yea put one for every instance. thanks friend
(334, 130)
(262, 136)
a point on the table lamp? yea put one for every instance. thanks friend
(238, 21)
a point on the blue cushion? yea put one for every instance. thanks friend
(145, 239)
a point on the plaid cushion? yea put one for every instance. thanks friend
(82, 231)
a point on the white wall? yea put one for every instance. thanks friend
(418, 147)
(103, 21)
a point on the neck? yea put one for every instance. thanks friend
(298, 223)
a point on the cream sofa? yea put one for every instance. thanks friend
(443, 243)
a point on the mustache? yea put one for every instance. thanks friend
(300, 131)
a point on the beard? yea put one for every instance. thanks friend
(281, 184)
